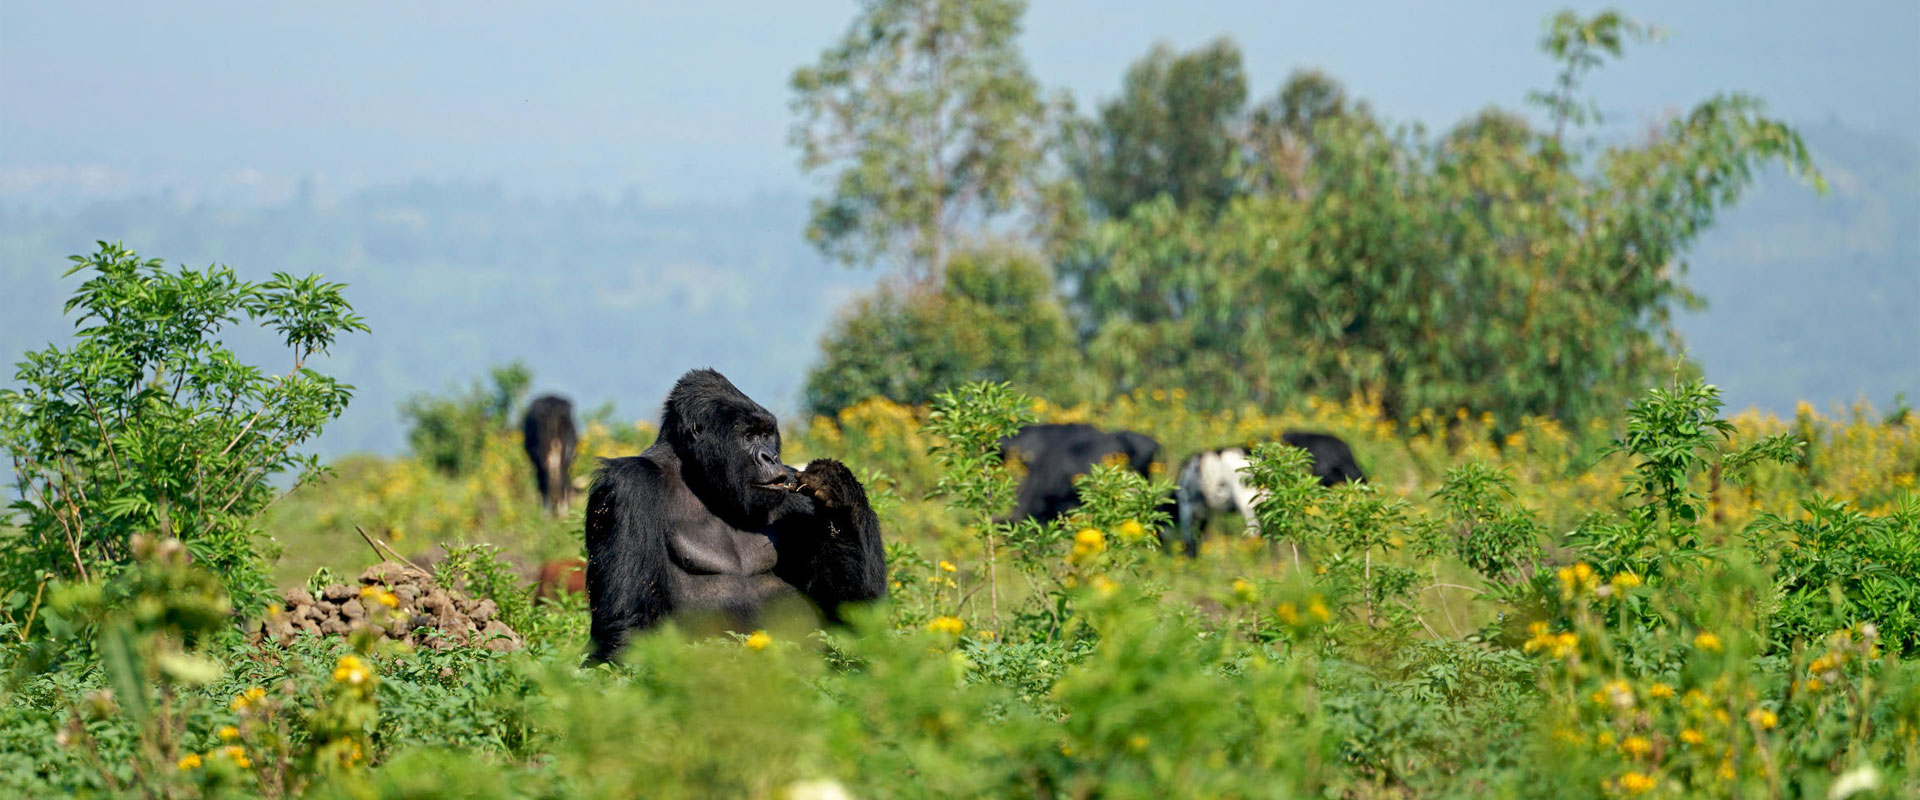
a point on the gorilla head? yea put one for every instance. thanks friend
(729, 444)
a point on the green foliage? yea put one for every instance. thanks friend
(478, 570)
(926, 115)
(994, 318)
(148, 423)
(1836, 566)
(1171, 131)
(451, 431)
(1494, 268)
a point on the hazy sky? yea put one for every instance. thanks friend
(689, 100)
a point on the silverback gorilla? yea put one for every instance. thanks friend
(548, 434)
(709, 526)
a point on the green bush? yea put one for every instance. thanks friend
(995, 318)
(450, 431)
(148, 423)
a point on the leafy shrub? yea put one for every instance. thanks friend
(449, 432)
(148, 423)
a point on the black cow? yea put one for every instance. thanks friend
(548, 434)
(1056, 453)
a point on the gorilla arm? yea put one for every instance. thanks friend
(834, 555)
(628, 586)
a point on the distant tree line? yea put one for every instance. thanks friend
(1182, 234)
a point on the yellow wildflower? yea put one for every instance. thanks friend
(228, 733)
(1725, 771)
(1636, 746)
(1814, 684)
(1087, 544)
(947, 566)
(1708, 641)
(1577, 580)
(1767, 720)
(1691, 736)
(237, 755)
(947, 625)
(1244, 591)
(1137, 742)
(1603, 738)
(1288, 613)
(1131, 531)
(1636, 783)
(188, 761)
(1625, 580)
(1104, 585)
(248, 699)
(351, 671)
(1660, 691)
(758, 640)
(1620, 693)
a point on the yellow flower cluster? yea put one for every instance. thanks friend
(351, 671)
(1088, 544)
(1660, 691)
(236, 754)
(248, 699)
(947, 566)
(1766, 720)
(952, 626)
(228, 733)
(375, 594)
(1708, 641)
(1131, 531)
(1577, 580)
(1635, 783)
(188, 761)
(1244, 591)
(1316, 610)
(758, 640)
(1560, 645)
(1625, 581)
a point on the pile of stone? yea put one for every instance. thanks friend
(400, 602)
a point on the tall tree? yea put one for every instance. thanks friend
(929, 121)
(1171, 131)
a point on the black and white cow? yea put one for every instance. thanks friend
(1211, 482)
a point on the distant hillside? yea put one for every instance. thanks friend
(1809, 297)
(1812, 297)
(605, 300)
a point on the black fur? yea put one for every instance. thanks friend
(708, 523)
(1332, 460)
(1056, 453)
(549, 437)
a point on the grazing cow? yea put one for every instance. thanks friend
(1055, 454)
(549, 437)
(1211, 483)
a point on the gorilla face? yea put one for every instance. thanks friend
(729, 446)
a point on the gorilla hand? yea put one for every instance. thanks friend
(832, 486)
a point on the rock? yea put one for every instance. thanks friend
(338, 592)
(335, 627)
(483, 611)
(392, 573)
(500, 638)
(353, 610)
(298, 597)
(408, 594)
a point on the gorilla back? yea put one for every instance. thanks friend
(709, 526)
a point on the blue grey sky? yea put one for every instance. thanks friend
(688, 101)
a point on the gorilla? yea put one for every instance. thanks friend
(1056, 453)
(1210, 482)
(708, 527)
(548, 434)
